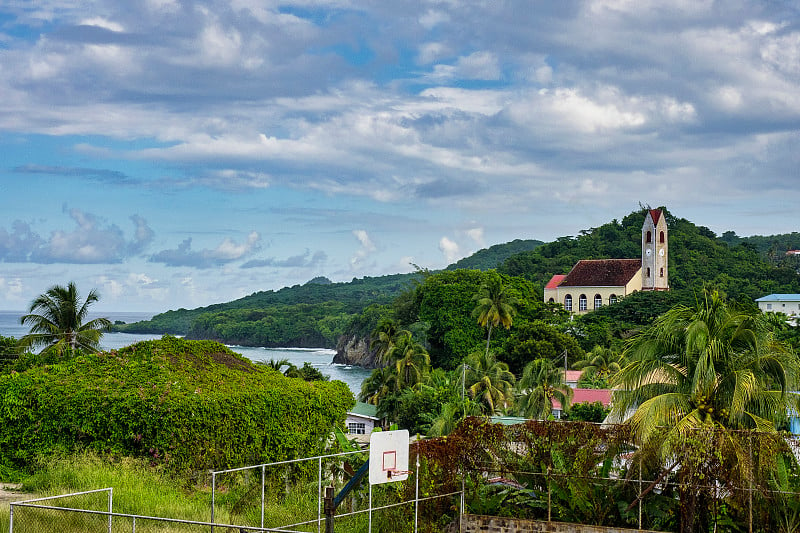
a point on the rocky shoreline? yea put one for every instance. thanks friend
(355, 351)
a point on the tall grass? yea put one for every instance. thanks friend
(141, 489)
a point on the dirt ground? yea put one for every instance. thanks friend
(9, 492)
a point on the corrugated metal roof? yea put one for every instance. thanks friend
(780, 298)
(365, 409)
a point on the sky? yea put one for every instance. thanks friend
(179, 153)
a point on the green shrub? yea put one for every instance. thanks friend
(190, 405)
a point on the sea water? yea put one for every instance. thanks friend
(319, 358)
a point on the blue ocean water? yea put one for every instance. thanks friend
(319, 358)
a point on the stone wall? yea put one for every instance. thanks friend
(495, 524)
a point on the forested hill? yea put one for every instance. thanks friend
(494, 256)
(317, 313)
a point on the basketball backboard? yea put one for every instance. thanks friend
(388, 456)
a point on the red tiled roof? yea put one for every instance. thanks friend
(588, 396)
(602, 273)
(655, 214)
(554, 281)
(573, 375)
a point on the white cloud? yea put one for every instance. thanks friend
(476, 234)
(450, 250)
(367, 248)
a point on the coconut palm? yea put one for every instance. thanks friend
(540, 384)
(488, 381)
(56, 319)
(412, 363)
(495, 306)
(702, 369)
(600, 364)
(452, 413)
(385, 338)
(381, 383)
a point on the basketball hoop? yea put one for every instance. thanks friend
(392, 473)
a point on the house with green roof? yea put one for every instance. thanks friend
(361, 420)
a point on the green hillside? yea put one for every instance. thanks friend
(318, 313)
(494, 256)
(312, 315)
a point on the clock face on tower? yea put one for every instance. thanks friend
(661, 252)
(648, 252)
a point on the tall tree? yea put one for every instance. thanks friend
(600, 365)
(488, 382)
(540, 384)
(704, 368)
(412, 363)
(385, 338)
(495, 306)
(56, 319)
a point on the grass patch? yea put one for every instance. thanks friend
(145, 490)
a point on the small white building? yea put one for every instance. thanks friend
(361, 420)
(788, 304)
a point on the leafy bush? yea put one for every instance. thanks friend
(186, 404)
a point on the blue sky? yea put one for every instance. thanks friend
(181, 153)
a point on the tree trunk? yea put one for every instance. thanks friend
(488, 338)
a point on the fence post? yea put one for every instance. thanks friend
(750, 496)
(263, 480)
(110, 507)
(416, 495)
(11, 520)
(330, 510)
(213, 497)
(640, 491)
(319, 497)
(549, 499)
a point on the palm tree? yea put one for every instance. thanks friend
(385, 339)
(495, 306)
(412, 363)
(56, 320)
(452, 413)
(699, 370)
(488, 381)
(540, 384)
(381, 383)
(601, 363)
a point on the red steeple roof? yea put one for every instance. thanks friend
(655, 214)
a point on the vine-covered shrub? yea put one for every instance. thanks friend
(187, 404)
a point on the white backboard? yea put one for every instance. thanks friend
(388, 456)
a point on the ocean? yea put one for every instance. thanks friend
(319, 358)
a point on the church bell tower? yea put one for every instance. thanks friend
(654, 252)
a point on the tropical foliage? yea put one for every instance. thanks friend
(58, 323)
(541, 383)
(710, 367)
(190, 405)
(489, 382)
(495, 306)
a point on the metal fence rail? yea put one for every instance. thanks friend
(27, 516)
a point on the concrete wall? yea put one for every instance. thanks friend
(494, 524)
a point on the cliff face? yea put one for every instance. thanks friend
(354, 350)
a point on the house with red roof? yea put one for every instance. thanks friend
(583, 396)
(593, 283)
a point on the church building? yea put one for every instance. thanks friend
(593, 283)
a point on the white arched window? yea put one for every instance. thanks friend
(598, 301)
(649, 237)
(582, 303)
(612, 299)
(568, 302)
(550, 301)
